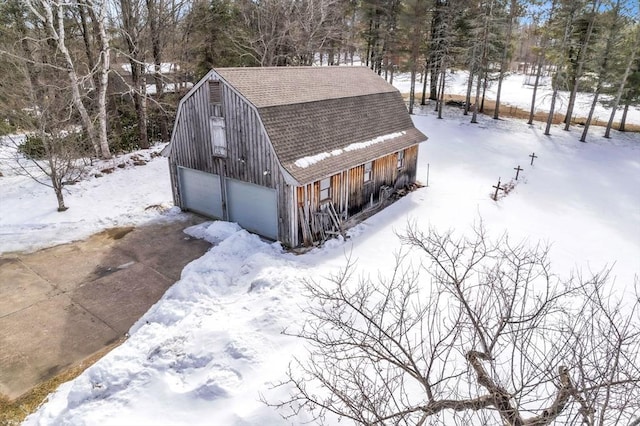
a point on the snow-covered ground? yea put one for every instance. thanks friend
(518, 94)
(130, 195)
(211, 347)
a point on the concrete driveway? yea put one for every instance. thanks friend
(60, 305)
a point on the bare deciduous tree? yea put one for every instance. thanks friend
(51, 16)
(131, 26)
(56, 153)
(281, 32)
(480, 332)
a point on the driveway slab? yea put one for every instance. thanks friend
(38, 342)
(60, 305)
(20, 287)
(121, 297)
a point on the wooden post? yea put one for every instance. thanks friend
(518, 170)
(427, 175)
(533, 157)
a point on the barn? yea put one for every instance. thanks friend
(291, 153)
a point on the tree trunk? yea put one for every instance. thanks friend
(412, 90)
(627, 71)
(54, 177)
(505, 57)
(474, 116)
(103, 76)
(623, 120)
(535, 90)
(482, 69)
(604, 66)
(581, 60)
(56, 31)
(369, 42)
(556, 86)
(433, 82)
(155, 8)
(432, 57)
(554, 96)
(484, 90)
(583, 138)
(59, 197)
(467, 99)
(443, 75)
(131, 35)
(86, 38)
(423, 101)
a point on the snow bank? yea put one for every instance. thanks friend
(205, 352)
(113, 193)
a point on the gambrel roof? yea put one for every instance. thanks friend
(322, 120)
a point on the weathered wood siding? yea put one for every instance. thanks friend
(249, 158)
(350, 194)
(385, 172)
(408, 173)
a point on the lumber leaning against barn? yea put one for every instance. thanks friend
(250, 157)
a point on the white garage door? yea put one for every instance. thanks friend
(253, 207)
(201, 192)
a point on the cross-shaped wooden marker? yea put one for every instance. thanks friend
(498, 188)
(533, 157)
(518, 170)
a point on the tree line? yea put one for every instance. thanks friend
(101, 57)
(114, 70)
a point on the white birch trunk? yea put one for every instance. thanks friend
(55, 29)
(103, 70)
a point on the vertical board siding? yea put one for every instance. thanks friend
(249, 153)
(349, 191)
(409, 171)
(250, 158)
(336, 189)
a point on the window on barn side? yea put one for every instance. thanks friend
(400, 159)
(218, 136)
(368, 167)
(325, 189)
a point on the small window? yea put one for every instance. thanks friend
(215, 92)
(325, 189)
(367, 171)
(400, 159)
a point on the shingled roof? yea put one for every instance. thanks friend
(322, 120)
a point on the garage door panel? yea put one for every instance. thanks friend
(201, 192)
(253, 207)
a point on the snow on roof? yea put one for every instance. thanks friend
(312, 159)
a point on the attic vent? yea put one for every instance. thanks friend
(215, 92)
